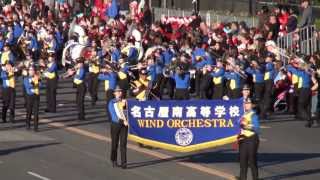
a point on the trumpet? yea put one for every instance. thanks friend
(236, 69)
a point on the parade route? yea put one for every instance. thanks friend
(66, 149)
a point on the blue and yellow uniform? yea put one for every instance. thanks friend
(257, 74)
(51, 72)
(218, 82)
(152, 73)
(269, 71)
(123, 79)
(304, 80)
(8, 79)
(8, 94)
(295, 75)
(143, 86)
(79, 77)
(31, 85)
(133, 55)
(17, 31)
(248, 144)
(110, 80)
(119, 131)
(269, 76)
(7, 57)
(258, 80)
(167, 56)
(110, 83)
(249, 124)
(234, 82)
(93, 82)
(304, 98)
(34, 45)
(116, 108)
(51, 84)
(78, 81)
(182, 86)
(197, 55)
(115, 55)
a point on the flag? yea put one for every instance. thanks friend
(113, 10)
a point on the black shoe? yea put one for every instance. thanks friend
(308, 125)
(47, 110)
(4, 121)
(124, 166)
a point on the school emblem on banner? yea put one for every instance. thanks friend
(184, 126)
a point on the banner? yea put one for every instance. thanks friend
(184, 126)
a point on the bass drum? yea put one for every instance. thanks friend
(74, 51)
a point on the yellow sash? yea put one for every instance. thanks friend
(122, 75)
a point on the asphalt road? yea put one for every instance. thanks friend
(66, 149)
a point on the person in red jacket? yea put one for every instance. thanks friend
(283, 20)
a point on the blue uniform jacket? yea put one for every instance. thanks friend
(112, 111)
(111, 77)
(182, 82)
(257, 74)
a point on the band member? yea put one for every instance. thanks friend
(304, 98)
(78, 82)
(218, 81)
(8, 92)
(7, 55)
(200, 58)
(246, 92)
(31, 85)
(293, 97)
(123, 77)
(249, 141)
(131, 52)
(268, 86)
(182, 80)
(23, 68)
(206, 83)
(119, 128)
(51, 76)
(93, 82)
(142, 86)
(258, 80)
(234, 81)
(110, 81)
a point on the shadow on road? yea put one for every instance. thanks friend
(294, 174)
(24, 148)
(229, 156)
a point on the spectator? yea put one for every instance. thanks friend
(273, 28)
(263, 16)
(307, 15)
(292, 21)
